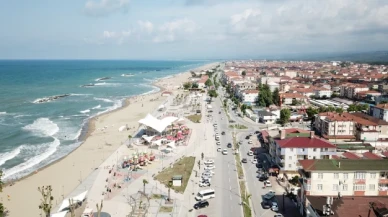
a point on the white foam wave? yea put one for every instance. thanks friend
(85, 111)
(103, 99)
(107, 84)
(97, 107)
(42, 127)
(52, 148)
(9, 155)
(149, 80)
(127, 75)
(81, 94)
(84, 115)
(3, 113)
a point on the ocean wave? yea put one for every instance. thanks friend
(103, 78)
(81, 94)
(3, 113)
(10, 155)
(97, 107)
(52, 148)
(149, 80)
(107, 84)
(84, 115)
(42, 127)
(127, 75)
(85, 111)
(50, 98)
(103, 99)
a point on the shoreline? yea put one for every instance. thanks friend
(65, 169)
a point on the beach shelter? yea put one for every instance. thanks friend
(59, 214)
(148, 138)
(171, 145)
(81, 197)
(65, 204)
(122, 128)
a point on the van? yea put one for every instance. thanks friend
(205, 194)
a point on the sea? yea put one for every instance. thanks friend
(46, 104)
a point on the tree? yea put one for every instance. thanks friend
(339, 110)
(169, 186)
(244, 73)
(311, 112)
(208, 83)
(99, 208)
(285, 115)
(194, 85)
(187, 85)
(276, 97)
(330, 108)
(265, 96)
(212, 93)
(47, 200)
(144, 184)
(352, 108)
(225, 102)
(2, 209)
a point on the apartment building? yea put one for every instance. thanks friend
(350, 90)
(379, 111)
(339, 179)
(289, 98)
(333, 126)
(243, 85)
(286, 152)
(248, 97)
(322, 92)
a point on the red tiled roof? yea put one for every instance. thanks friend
(304, 142)
(370, 155)
(335, 157)
(350, 155)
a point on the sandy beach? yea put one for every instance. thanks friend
(102, 140)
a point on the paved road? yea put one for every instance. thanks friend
(225, 183)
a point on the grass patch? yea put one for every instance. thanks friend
(156, 196)
(239, 126)
(165, 209)
(240, 171)
(194, 118)
(245, 198)
(183, 167)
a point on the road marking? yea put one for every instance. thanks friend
(229, 179)
(230, 197)
(230, 187)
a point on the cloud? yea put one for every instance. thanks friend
(108, 34)
(146, 26)
(105, 7)
(175, 30)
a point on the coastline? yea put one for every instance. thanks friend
(63, 173)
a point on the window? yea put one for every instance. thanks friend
(335, 187)
(371, 187)
(372, 175)
(291, 149)
(345, 187)
(336, 175)
(289, 165)
(359, 187)
(320, 187)
(359, 175)
(314, 149)
(308, 187)
(320, 175)
(289, 157)
(345, 176)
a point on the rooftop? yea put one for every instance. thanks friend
(304, 142)
(344, 165)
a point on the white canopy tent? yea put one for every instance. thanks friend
(59, 214)
(171, 145)
(147, 138)
(158, 142)
(79, 198)
(122, 128)
(65, 204)
(161, 107)
(156, 124)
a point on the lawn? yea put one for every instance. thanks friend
(239, 126)
(195, 118)
(245, 198)
(165, 209)
(183, 167)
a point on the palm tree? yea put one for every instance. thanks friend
(169, 186)
(144, 184)
(99, 208)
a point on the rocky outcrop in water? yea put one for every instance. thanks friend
(50, 98)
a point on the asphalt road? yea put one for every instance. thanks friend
(225, 180)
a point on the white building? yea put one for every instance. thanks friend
(323, 92)
(272, 86)
(267, 117)
(338, 178)
(334, 126)
(248, 96)
(288, 151)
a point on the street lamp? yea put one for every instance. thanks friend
(284, 206)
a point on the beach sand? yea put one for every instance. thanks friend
(102, 140)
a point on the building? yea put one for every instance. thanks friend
(322, 93)
(350, 90)
(379, 111)
(286, 152)
(202, 81)
(267, 117)
(333, 126)
(289, 98)
(273, 86)
(248, 97)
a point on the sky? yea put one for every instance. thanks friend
(189, 29)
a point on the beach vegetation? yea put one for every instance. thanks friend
(145, 182)
(212, 93)
(195, 118)
(209, 83)
(194, 85)
(183, 167)
(99, 208)
(165, 209)
(2, 209)
(187, 85)
(46, 203)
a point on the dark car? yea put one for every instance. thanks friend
(259, 165)
(244, 160)
(263, 178)
(219, 112)
(265, 204)
(223, 133)
(257, 132)
(247, 137)
(229, 145)
(201, 204)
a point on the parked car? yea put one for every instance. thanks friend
(224, 152)
(267, 183)
(209, 161)
(265, 204)
(259, 165)
(204, 184)
(269, 195)
(229, 145)
(250, 153)
(254, 161)
(223, 133)
(210, 167)
(275, 207)
(201, 204)
(250, 142)
(218, 149)
(209, 171)
(262, 178)
(244, 160)
(247, 137)
(278, 215)
(207, 175)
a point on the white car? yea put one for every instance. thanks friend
(250, 153)
(210, 167)
(224, 152)
(209, 171)
(219, 149)
(250, 142)
(218, 143)
(254, 161)
(209, 161)
(267, 183)
(204, 184)
(204, 175)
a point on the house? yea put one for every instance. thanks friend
(202, 81)
(335, 127)
(289, 98)
(379, 111)
(273, 86)
(363, 94)
(251, 115)
(267, 117)
(322, 92)
(288, 149)
(248, 97)
(350, 90)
